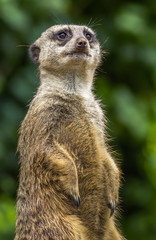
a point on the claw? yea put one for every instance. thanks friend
(112, 207)
(76, 201)
(116, 204)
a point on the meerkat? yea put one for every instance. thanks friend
(69, 183)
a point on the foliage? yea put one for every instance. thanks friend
(126, 84)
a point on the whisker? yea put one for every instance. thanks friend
(23, 46)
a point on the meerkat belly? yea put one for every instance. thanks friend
(93, 208)
(81, 140)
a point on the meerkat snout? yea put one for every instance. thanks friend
(81, 44)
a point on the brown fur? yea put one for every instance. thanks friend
(68, 180)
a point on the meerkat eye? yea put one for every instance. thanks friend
(62, 36)
(89, 37)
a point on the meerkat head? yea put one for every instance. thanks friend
(63, 47)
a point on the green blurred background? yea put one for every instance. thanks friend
(126, 84)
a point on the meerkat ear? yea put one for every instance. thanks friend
(34, 52)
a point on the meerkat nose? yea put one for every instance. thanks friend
(81, 43)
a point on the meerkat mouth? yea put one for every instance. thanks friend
(78, 53)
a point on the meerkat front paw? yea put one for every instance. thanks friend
(76, 200)
(74, 194)
(70, 185)
(113, 192)
(112, 206)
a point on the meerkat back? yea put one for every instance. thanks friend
(68, 185)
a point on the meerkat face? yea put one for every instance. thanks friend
(63, 46)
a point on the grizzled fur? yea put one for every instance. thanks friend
(68, 186)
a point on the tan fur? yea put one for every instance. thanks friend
(62, 148)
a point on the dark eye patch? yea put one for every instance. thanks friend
(62, 36)
(91, 37)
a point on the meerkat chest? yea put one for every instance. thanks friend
(95, 115)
